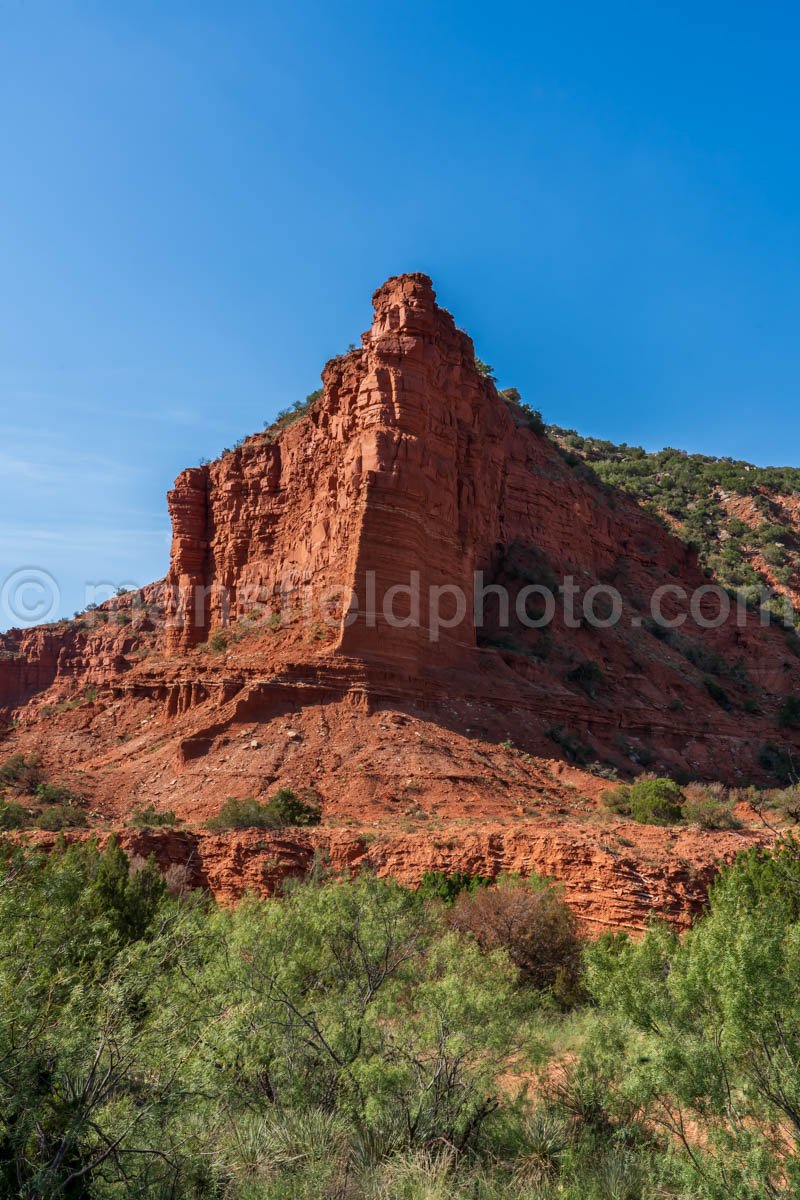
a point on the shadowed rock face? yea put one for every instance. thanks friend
(410, 467)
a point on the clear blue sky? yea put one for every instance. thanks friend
(198, 199)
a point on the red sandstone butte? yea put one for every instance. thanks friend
(410, 463)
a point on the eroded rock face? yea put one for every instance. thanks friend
(610, 886)
(376, 487)
(410, 472)
(410, 465)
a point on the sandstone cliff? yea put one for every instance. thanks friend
(262, 661)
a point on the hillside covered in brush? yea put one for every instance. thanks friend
(743, 520)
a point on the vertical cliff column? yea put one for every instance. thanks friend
(419, 393)
(187, 605)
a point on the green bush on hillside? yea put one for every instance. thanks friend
(439, 885)
(709, 806)
(12, 816)
(780, 762)
(57, 817)
(650, 800)
(789, 714)
(288, 416)
(153, 818)
(588, 676)
(690, 488)
(576, 751)
(282, 809)
(20, 774)
(62, 807)
(523, 414)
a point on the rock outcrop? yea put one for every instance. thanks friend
(284, 646)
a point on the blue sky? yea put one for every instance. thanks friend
(198, 200)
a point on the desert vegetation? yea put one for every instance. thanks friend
(689, 490)
(352, 1039)
(28, 800)
(288, 416)
(656, 800)
(282, 809)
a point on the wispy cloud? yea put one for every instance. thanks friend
(52, 467)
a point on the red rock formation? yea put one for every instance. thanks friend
(409, 467)
(615, 883)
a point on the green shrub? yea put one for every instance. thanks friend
(771, 532)
(588, 676)
(288, 416)
(656, 801)
(523, 414)
(709, 807)
(789, 714)
(12, 816)
(283, 809)
(247, 813)
(710, 1027)
(777, 761)
(57, 793)
(705, 658)
(153, 818)
(532, 923)
(576, 751)
(658, 629)
(775, 556)
(438, 885)
(783, 801)
(20, 774)
(689, 488)
(218, 642)
(60, 816)
(616, 800)
(650, 800)
(717, 694)
(291, 809)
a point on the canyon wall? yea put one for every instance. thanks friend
(409, 465)
(265, 659)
